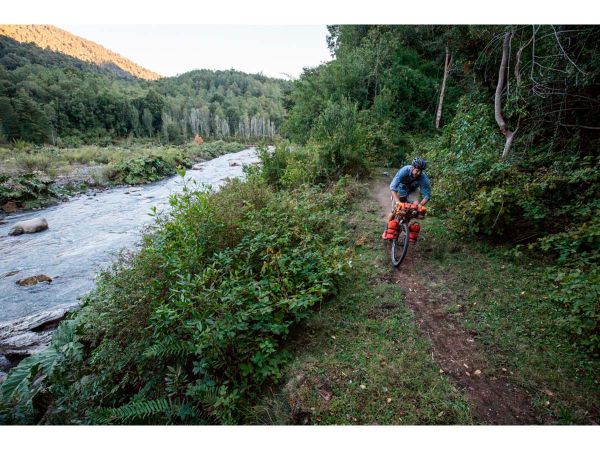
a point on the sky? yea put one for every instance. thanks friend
(274, 37)
(280, 51)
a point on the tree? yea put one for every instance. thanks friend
(447, 65)
(510, 135)
(147, 120)
(32, 123)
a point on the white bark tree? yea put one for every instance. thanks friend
(447, 65)
(510, 135)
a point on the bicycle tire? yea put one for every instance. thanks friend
(400, 245)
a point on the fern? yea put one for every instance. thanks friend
(17, 386)
(25, 381)
(135, 411)
(170, 348)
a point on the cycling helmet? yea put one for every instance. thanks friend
(419, 163)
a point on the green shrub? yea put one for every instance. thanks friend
(141, 170)
(288, 167)
(20, 144)
(218, 148)
(338, 134)
(72, 141)
(578, 292)
(25, 188)
(534, 194)
(191, 328)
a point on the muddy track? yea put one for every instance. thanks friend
(495, 399)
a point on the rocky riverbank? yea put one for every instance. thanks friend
(36, 178)
(21, 338)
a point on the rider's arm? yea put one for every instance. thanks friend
(425, 188)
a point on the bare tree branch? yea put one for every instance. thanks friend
(564, 52)
(518, 63)
(579, 126)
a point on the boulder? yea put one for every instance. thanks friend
(233, 163)
(30, 281)
(9, 207)
(9, 274)
(23, 337)
(29, 226)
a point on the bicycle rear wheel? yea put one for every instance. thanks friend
(400, 245)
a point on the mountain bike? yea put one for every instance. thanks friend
(404, 213)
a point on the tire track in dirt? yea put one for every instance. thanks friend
(495, 399)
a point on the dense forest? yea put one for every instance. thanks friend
(200, 325)
(47, 97)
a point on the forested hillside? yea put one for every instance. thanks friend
(49, 37)
(47, 97)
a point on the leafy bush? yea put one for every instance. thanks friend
(141, 170)
(578, 291)
(24, 392)
(340, 140)
(218, 148)
(25, 188)
(192, 327)
(515, 200)
(20, 144)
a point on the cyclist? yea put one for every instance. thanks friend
(409, 182)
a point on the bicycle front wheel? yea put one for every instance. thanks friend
(400, 245)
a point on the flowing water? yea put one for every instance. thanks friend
(83, 236)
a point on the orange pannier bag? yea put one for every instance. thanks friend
(391, 232)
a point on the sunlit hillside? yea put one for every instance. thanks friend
(53, 38)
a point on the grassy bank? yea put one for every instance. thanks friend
(35, 177)
(506, 300)
(363, 359)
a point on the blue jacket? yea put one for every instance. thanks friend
(404, 183)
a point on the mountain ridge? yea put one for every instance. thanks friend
(50, 37)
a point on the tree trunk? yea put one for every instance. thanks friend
(447, 64)
(498, 97)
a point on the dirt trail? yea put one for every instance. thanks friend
(494, 398)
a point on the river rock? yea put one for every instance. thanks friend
(23, 337)
(9, 274)
(233, 163)
(30, 281)
(9, 207)
(29, 226)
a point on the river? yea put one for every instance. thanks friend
(85, 233)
